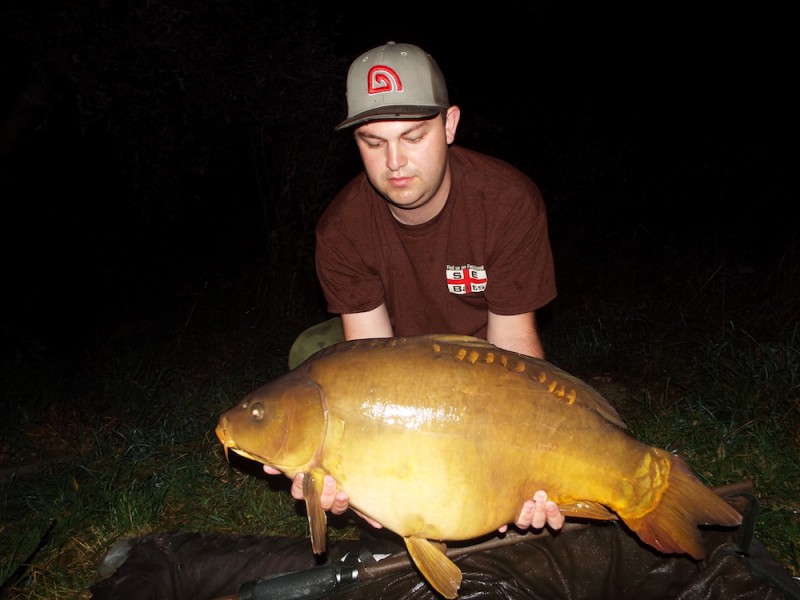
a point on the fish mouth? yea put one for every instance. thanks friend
(229, 444)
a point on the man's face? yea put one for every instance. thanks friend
(406, 161)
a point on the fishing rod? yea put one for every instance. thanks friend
(320, 582)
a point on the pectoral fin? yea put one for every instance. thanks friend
(317, 519)
(441, 572)
(587, 510)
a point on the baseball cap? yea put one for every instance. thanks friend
(394, 81)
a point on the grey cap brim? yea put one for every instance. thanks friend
(391, 113)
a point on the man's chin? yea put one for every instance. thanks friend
(403, 202)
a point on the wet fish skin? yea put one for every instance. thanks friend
(443, 437)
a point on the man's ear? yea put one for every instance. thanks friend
(452, 117)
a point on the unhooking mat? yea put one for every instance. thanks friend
(599, 561)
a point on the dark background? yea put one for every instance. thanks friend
(154, 152)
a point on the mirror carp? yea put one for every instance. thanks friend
(443, 437)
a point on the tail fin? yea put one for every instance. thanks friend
(671, 526)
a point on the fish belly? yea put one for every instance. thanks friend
(462, 484)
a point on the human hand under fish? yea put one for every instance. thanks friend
(332, 498)
(536, 512)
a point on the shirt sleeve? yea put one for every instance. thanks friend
(346, 269)
(521, 271)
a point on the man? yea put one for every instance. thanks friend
(431, 238)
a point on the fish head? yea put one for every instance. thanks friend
(281, 424)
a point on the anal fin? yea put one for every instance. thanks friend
(441, 572)
(587, 509)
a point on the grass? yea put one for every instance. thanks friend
(121, 436)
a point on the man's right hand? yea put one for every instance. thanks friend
(332, 499)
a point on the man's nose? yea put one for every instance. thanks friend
(395, 158)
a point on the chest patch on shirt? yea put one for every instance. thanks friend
(466, 279)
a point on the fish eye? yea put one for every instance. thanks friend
(257, 411)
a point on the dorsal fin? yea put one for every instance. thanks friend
(575, 391)
(557, 382)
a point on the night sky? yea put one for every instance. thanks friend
(150, 155)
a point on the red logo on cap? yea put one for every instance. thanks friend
(383, 79)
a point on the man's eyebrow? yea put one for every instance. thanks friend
(372, 136)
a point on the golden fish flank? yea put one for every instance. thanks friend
(447, 420)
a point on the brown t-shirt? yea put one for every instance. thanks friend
(488, 249)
